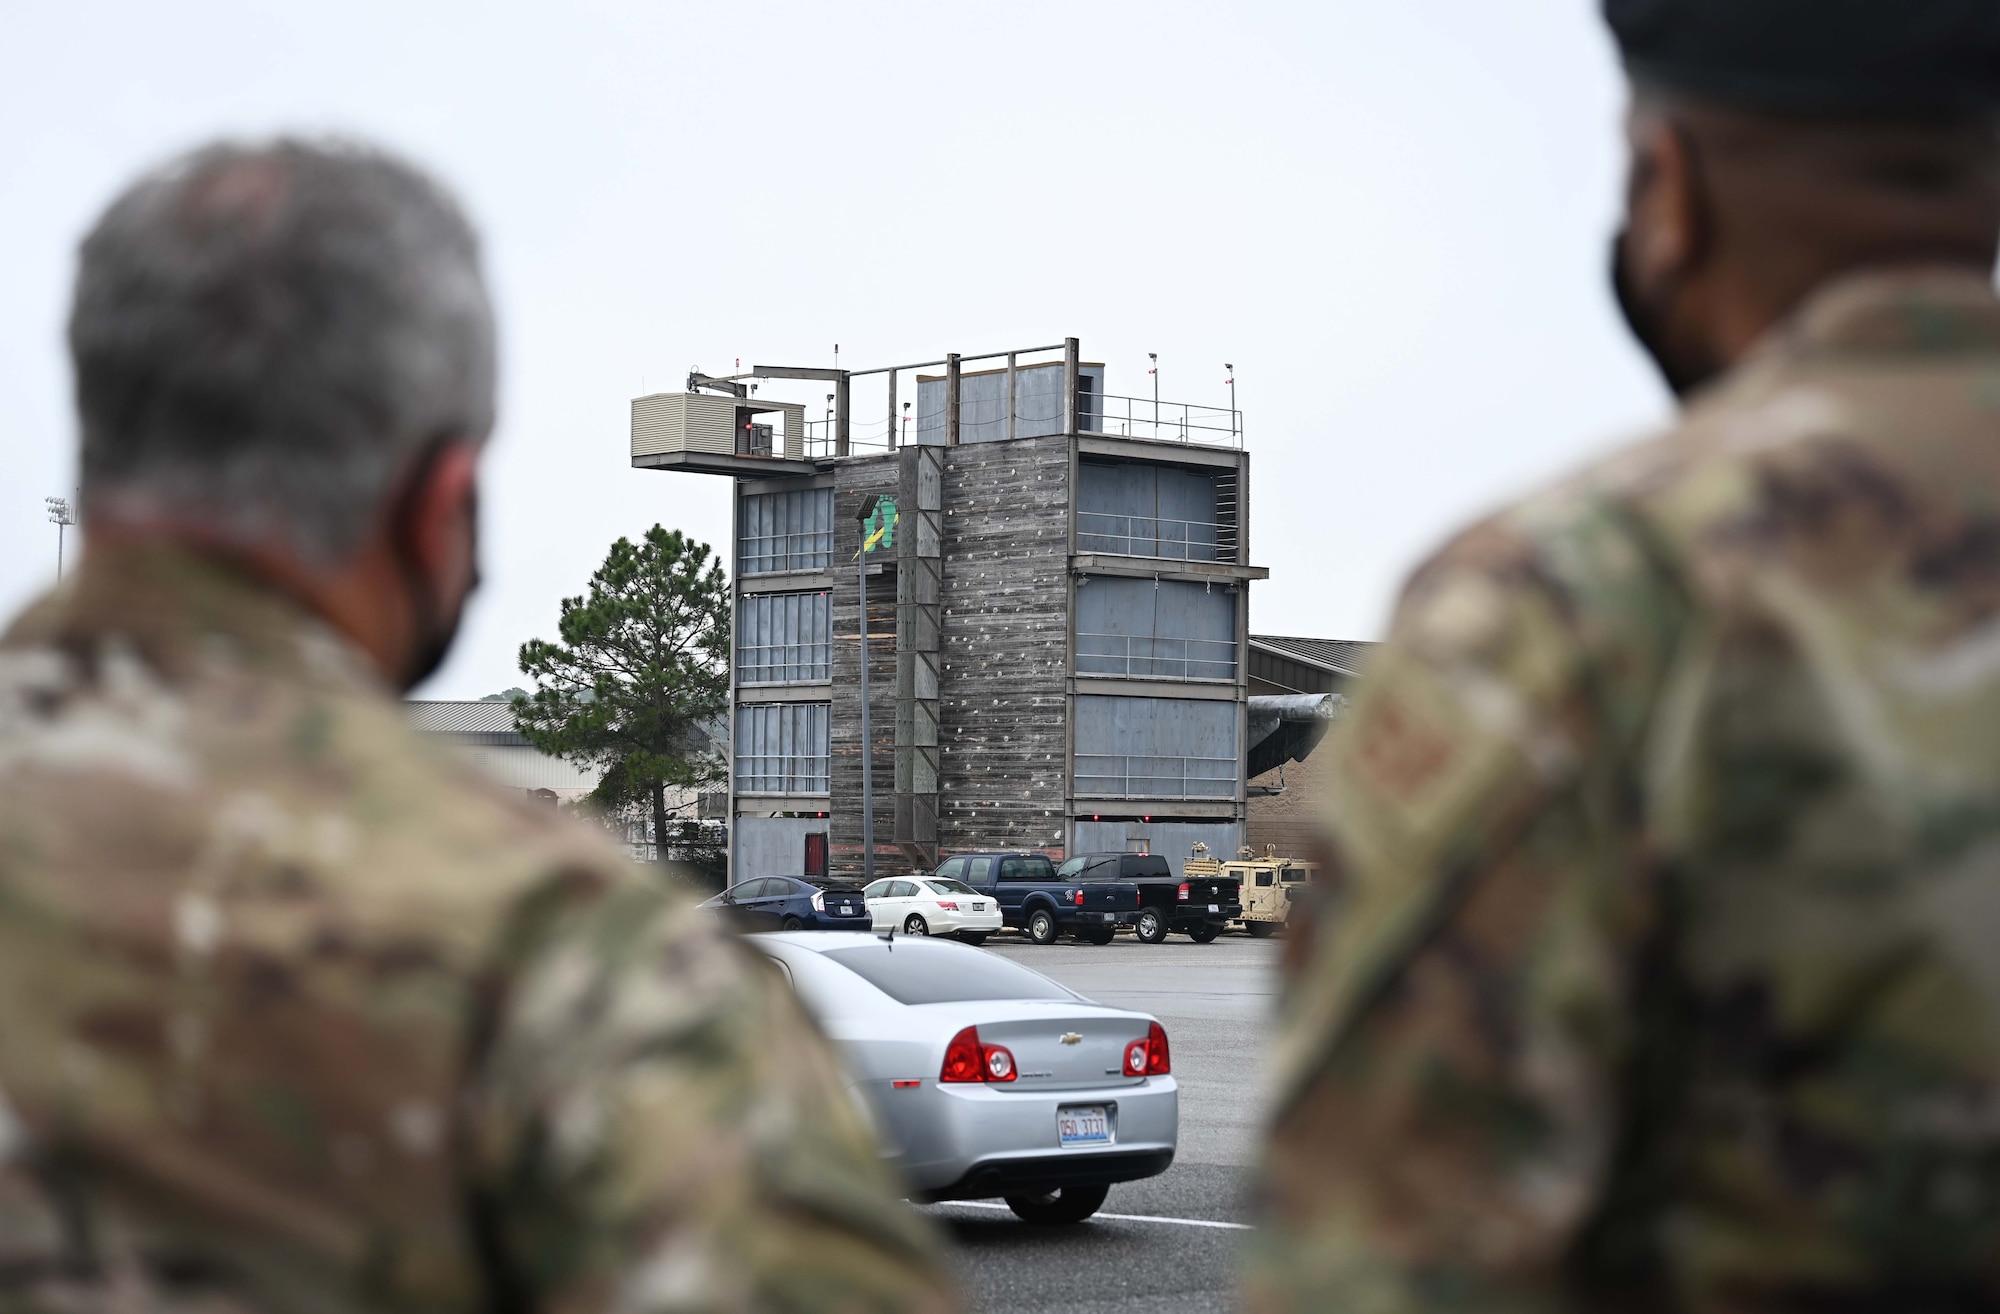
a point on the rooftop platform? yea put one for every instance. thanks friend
(720, 426)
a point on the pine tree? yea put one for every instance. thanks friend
(638, 677)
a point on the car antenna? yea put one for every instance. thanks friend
(888, 937)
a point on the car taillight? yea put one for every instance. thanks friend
(1183, 893)
(947, 905)
(1079, 897)
(1149, 1057)
(819, 900)
(966, 1059)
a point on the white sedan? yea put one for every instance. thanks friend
(984, 1077)
(933, 905)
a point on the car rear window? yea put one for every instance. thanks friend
(913, 972)
(1034, 868)
(951, 887)
(1147, 866)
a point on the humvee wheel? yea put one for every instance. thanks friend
(1262, 930)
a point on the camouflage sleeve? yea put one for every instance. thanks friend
(1456, 1023)
(657, 1126)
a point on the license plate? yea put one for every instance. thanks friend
(1215, 907)
(1083, 1124)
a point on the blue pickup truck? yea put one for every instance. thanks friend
(1034, 899)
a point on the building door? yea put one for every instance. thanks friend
(816, 854)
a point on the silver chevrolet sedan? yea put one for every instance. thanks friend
(986, 1078)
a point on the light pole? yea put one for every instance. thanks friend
(1235, 429)
(1154, 356)
(906, 424)
(62, 517)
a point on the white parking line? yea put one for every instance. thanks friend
(1123, 1218)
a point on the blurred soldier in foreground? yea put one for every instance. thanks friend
(295, 1014)
(1669, 972)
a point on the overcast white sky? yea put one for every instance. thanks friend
(1392, 218)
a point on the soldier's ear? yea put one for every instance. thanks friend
(1667, 220)
(436, 529)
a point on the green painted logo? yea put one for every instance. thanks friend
(879, 529)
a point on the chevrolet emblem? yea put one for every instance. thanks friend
(1072, 1038)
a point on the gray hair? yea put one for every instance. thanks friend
(266, 336)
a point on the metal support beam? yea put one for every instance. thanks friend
(793, 372)
(1072, 375)
(953, 374)
(1011, 358)
(892, 411)
(841, 390)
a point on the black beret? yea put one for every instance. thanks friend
(1817, 56)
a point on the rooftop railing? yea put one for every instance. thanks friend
(1166, 422)
(1141, 657)
(783, 663)
(781, 773)
(1158, 537)
(1074, 407)
(764, 554)
(1112, 776)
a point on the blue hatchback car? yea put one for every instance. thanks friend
(793, 903)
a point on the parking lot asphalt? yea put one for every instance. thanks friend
(1175, 1248)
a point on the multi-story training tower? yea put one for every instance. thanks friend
(1055, 640)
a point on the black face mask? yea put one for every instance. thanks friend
(437, 627)
(1647, 324)
(1684, 373)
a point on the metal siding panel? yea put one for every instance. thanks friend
(772, 846)
(930, 412)
(1157, 747)
(1155, 727)
(1155, 629)
(710, 424)
(659, 424)
(1196, 611)
(795, 430)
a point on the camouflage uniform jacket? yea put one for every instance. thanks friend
(297, 1015)
(1667, 974)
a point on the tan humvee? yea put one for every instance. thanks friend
(1269, 884)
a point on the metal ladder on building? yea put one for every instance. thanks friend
(1227, 519)
(919, 651)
